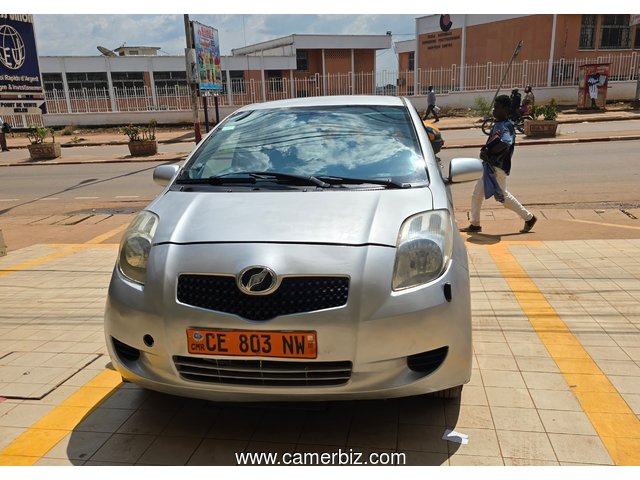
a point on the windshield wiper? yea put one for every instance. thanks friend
(253, 177)
(387, 182)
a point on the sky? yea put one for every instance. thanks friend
(81, 34)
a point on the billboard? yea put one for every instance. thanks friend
(207, 48)
(19, 69)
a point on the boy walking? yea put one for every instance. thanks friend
(496, 160)
(431, 105)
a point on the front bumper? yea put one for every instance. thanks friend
(376, 330)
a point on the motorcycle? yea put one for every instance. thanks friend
(518, 123)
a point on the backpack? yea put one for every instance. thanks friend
(6, 128)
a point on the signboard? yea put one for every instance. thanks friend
(593, 82)
(19, 70)
(207, 48)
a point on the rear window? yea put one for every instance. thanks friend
(372, 142)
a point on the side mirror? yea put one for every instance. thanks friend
(163, 174)
(464, 170)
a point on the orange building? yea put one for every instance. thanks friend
(554, 46)
(325, 64)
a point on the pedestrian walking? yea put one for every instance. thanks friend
(496, 160)
(529, 100)
(431, 105)
(4, 129)
(516, 101)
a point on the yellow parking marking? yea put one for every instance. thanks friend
(109, 234)
(630, 227)
(614, 421)
(66, 249)
(38, 261)
(45, 434)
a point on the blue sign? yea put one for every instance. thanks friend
(19, 69)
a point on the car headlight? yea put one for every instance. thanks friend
(136, 245)
(424, 247)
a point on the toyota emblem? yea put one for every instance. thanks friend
(257, 280)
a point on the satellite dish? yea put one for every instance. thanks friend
(106, 52)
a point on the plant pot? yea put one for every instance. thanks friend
(143, 148)
(44, 151)
(540, 128)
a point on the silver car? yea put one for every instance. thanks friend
(306, 250)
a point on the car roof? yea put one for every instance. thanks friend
(337, 100)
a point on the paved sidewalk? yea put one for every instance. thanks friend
(556, 373)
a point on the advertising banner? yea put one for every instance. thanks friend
(21, 92)
(592, 86)
(208, 56)
(19, 70)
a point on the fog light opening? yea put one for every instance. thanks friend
(148, 340)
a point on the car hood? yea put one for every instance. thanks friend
(346, 217)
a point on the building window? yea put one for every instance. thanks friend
(412, 61)
(237, 81)
(52, 81)
(170, 79)
(122, 80)
(88, 80)
(302, 60)
(636, 44)
(274, 77)
(615, 31)
(588, 32)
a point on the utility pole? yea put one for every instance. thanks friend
(193, 86)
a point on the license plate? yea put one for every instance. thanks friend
(248, 343)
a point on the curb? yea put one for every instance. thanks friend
(549, 141)
(553, 141)
(633, 116)
(88, 162)
(108, 144)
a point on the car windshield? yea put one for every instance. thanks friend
(364, 142)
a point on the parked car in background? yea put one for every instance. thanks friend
(306, 250)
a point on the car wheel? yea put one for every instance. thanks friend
(453, 392)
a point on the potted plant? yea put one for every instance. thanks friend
(142, 139)
(39, 149)
(544, 122)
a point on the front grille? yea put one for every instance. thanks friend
(427, 362)
(263, 372)
(294, 295)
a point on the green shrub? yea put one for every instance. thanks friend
(482, 106)
(138, 133)
(545, 112)
(37, 135)
(68, 130)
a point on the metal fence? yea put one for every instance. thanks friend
(487, 76)
(477, 77)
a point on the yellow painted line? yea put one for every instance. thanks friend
(45, 434)
(617, 225)
(39, 261)
(109, 234)
(614, 421)
(66, 249)
(83, 246)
